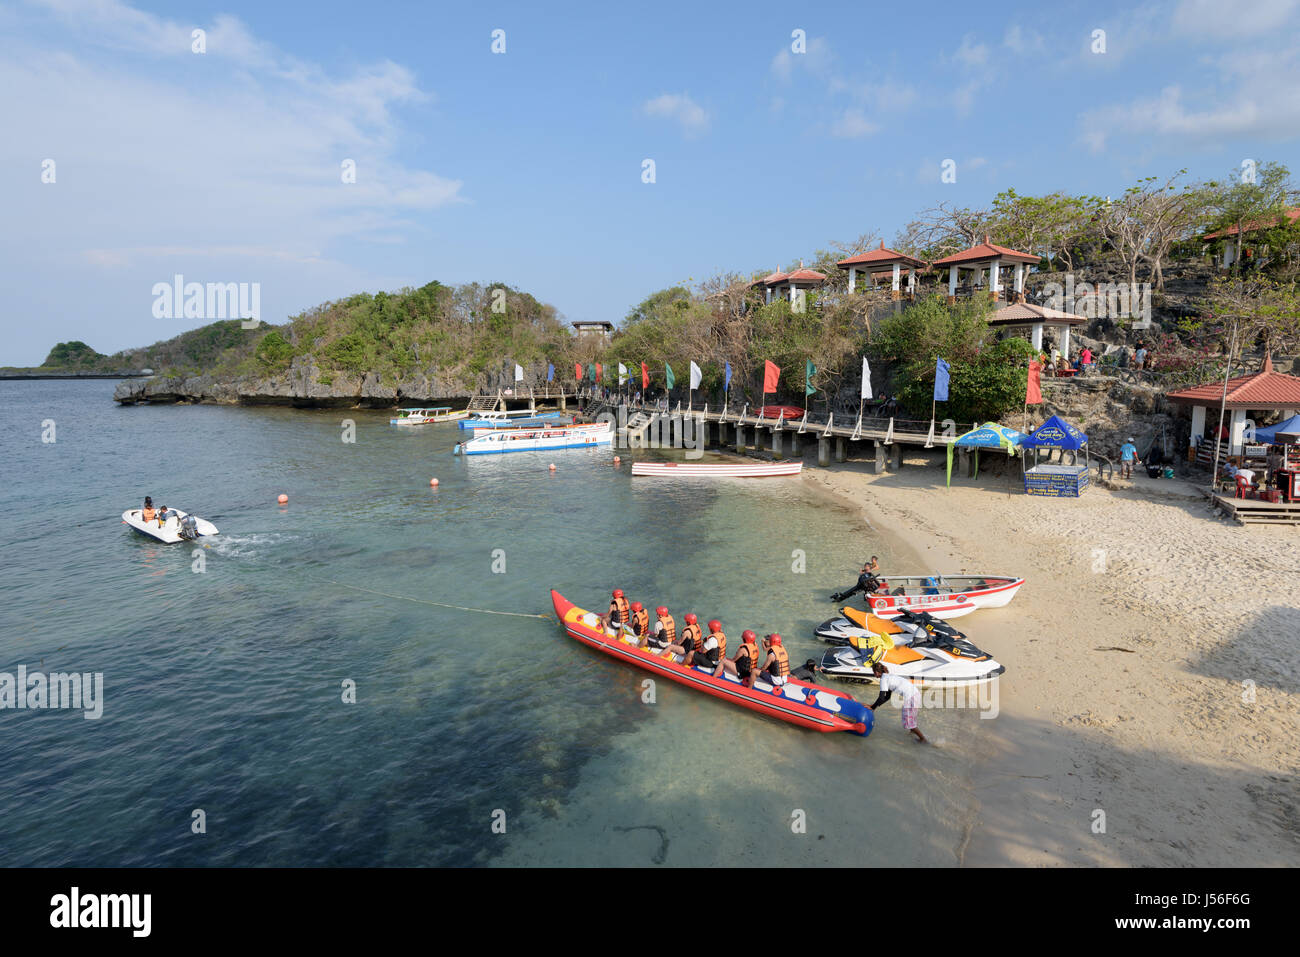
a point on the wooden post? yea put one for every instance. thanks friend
(878, 466)
(823, 452)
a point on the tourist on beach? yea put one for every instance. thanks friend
(711, 649)
(775, 669)
(1085, 360)
(1128, 454)
(742, 666)
(911, 697)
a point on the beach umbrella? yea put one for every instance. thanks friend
(990, 435)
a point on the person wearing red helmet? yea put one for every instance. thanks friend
(742, 665)
(775, 669)
(640, 621)
(664, 631)
(710, 649)
(618, 609)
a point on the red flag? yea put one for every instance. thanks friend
(1034, 392)
(597, 371)
(645, 377)
(771, 376)
(577, 371)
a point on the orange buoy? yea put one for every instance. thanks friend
(616, 460)
(283, 499)
(433, 483)
(552, 466)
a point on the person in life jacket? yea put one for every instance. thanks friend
(664, 631)
(776, 663)
(690, 641)
(640, 620)
(618, 609)
(711, 648)
(147, 514)
(742, 666)
(868, 583)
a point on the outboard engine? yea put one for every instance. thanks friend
(189, 528)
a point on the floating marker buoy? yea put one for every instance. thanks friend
(283, 499)
(433, 483)
(616, 460)
(552, 466)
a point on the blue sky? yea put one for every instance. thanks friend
(525, 167)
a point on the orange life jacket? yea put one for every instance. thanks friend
(670, 629)
(148, 514)
(692, 631)
(722, 642)
(782, 666)
(619, 607)
(640, 622)
(751, 649)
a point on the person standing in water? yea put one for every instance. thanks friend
(911, 697)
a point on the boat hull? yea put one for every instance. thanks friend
(168, 534)
(509, 422)
(499, 441)
(956, 596)
(831, 710)
(694, 470)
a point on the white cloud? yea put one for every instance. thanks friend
(1240, 18)
(681, 108)
(1023, 40)
(971, 52)
(853, 124)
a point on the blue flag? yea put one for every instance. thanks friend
(550, 372)
(726, 385)
(941, 381)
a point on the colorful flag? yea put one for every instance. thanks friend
(550, 372)
(668, 375)
(598, 370)
(866, 379)
(591, 372)
(726, 383)
(645, 376)
(695, 376)
(771, 376)
(941, 370)
(1034, 391)
(807, 378)
(577, 371)
(622, 374)
(519, 372)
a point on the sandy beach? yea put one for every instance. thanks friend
(1151, 667)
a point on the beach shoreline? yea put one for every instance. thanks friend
(1124, 736)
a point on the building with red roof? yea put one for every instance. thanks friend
(1288, 218)
(882, 262)
(1264, 391)
(784, 285)
(988, 258)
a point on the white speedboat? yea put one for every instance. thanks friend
(179, 527)
(423, 416)
(532, 440)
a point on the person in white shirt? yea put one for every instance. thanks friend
(911, 697)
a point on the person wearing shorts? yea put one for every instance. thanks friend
(911, 697)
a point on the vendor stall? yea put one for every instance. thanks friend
(990, 435)
(1060, 481)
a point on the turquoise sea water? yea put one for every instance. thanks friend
(223, 688)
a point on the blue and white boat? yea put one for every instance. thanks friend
(509, 420)
(538, 439)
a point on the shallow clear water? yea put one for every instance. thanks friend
(223, 688)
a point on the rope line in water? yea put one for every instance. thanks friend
(429, 601)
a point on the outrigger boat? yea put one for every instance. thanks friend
(919, 647)
(535, 439)
(942, 596)
(181, 528)
(797, 702)
(702, 470)
(419, 416)
(507, 420)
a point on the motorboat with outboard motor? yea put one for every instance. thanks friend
(179, 527)
(944, 596)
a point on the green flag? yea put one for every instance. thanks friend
(591, 371)
(668, 375)
(807, 379)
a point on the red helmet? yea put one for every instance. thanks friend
(747, 635)
(618, 593)
(636, 606)
(774, 639)
(661, 611)
(690, 618)
(715, 625)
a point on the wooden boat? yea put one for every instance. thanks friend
(537, 439)
(779, 412)
(701, 470)
(796, 702)
(423, 416)
(179, 527)
(944, 596)
(511, 419)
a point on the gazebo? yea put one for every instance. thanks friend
(879, 262)
(782, 285)
(1262, 391)
(991, 257)
(1020, 316)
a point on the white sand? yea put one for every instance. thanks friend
(1160, 739)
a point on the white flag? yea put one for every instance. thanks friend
(519, 372)
(695, 376)
(622, 374)
(866, 379)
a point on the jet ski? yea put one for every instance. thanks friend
(925, 652)
(902, 628)
(179, 527)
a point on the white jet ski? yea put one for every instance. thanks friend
(179, 527)
(856, 623)
(925, 652)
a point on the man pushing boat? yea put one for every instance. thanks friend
(868, 582)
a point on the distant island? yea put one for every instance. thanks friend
(76, 360)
